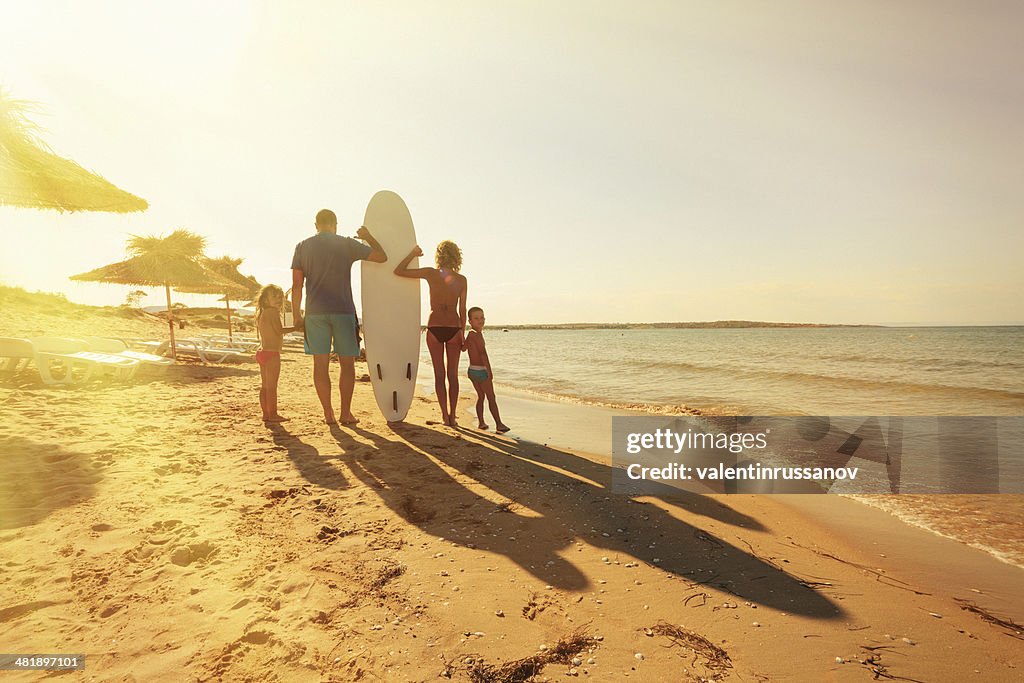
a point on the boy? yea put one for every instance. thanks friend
(480, 370)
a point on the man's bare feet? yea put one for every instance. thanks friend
(276, 418)
(502, 428)
(330, 419)
(349, 419)
(483, 425)
(451, 421)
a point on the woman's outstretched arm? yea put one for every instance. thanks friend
(403, 269)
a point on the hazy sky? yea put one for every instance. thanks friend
(630, 161)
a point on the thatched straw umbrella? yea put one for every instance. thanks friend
(32, 176)
(169, 262)
(246, 285)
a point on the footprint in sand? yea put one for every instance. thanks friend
(56, 457)
(110, 611)
(12, 613)
(156, 536)
(256, 637)
(185, 555)
(164, 470)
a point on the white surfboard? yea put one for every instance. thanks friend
(391, 308)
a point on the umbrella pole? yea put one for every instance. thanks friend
(227, 302)
(170, 322)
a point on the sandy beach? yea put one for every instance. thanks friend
(719, 221)
(160, 528)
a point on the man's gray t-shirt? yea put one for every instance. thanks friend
(326, 261)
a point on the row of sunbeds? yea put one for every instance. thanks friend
(62, 360)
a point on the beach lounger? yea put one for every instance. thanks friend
(237, 344)
(198, 348)
(15, 354)
(117, 347)
(148, 345)
(75, 363)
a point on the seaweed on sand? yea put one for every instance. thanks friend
(715, 659)
(525, 669)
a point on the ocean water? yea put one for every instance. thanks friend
(810, 371)
(813, 371)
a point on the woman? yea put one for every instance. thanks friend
(447, 320)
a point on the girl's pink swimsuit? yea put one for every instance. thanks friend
(263, 354)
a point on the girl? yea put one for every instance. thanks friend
(271, 335)
(446, 322)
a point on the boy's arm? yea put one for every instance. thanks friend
(377, 253)
(403, 269)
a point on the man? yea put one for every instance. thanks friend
(323, 263)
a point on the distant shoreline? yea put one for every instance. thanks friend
(11, 295)
(715, 325)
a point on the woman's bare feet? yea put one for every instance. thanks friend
(330, 419)
(501, 428)
(276, 418)
(451, 421)
(349, 419)
(483, 425)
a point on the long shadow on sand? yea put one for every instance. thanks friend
(38, 478)
(555, 500)
(316, 468)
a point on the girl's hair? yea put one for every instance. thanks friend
(264, 296)
(448, 256)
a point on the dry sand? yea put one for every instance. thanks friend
(161, 529)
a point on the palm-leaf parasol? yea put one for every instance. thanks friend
(168, 262)
(32, 176)
(246, 285)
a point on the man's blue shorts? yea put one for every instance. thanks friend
(327, 331)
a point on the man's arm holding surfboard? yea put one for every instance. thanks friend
(377, 255)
